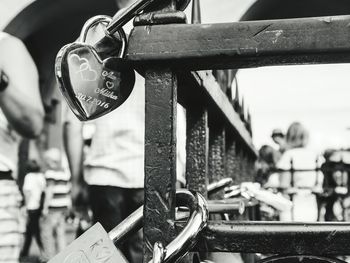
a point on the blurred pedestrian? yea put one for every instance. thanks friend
(336, 170)
(300, 157)
(266, 163)
(34, 194)
(21, 113)
(279, 138)
(57, 203)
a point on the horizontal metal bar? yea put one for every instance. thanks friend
(316, 169)
(276, 238)
(242, 44)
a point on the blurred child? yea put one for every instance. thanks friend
(57, 203)
(34, 193)
(266, 163)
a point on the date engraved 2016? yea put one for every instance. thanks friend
(92, 100)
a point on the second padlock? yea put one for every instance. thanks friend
(96, 245)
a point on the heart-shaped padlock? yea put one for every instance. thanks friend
(93, 86)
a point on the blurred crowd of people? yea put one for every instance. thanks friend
(316, 183)
(46, 193)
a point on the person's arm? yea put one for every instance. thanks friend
(73, 145)
(20, 101)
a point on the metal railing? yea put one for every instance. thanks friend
(219, 142)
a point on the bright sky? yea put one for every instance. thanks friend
(318, 96)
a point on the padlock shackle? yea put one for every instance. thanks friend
(134, 221)
(125, 15)
(95, 20)
(91, 22)
(186, 239)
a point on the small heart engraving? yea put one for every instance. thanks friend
(85, 70)
(91, 86)
(109, 84)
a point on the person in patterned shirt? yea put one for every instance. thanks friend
(21, 114)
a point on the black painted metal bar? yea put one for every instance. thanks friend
(276, 238)
(231, 158)
(242, 44)
(160, 148)
(197, 143)
(216, 158)
(212, 94)
(160, 157)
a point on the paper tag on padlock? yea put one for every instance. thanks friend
(94, 246)
(93, 86)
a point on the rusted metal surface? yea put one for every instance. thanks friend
(231, 158)
(160, 150)
(155, 18)
(160, 157)
(199, 89)
(220, 100)
(243, 44)
(216, 157)
(197, 143)
(277, 238)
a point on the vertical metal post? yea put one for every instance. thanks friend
(342, 171)
(292, 185)
(160, 152)
(231, 158)
(216, 149)
(196, 12)
(197, 140)
(237, 162)
(317, 172)
(160, 157)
